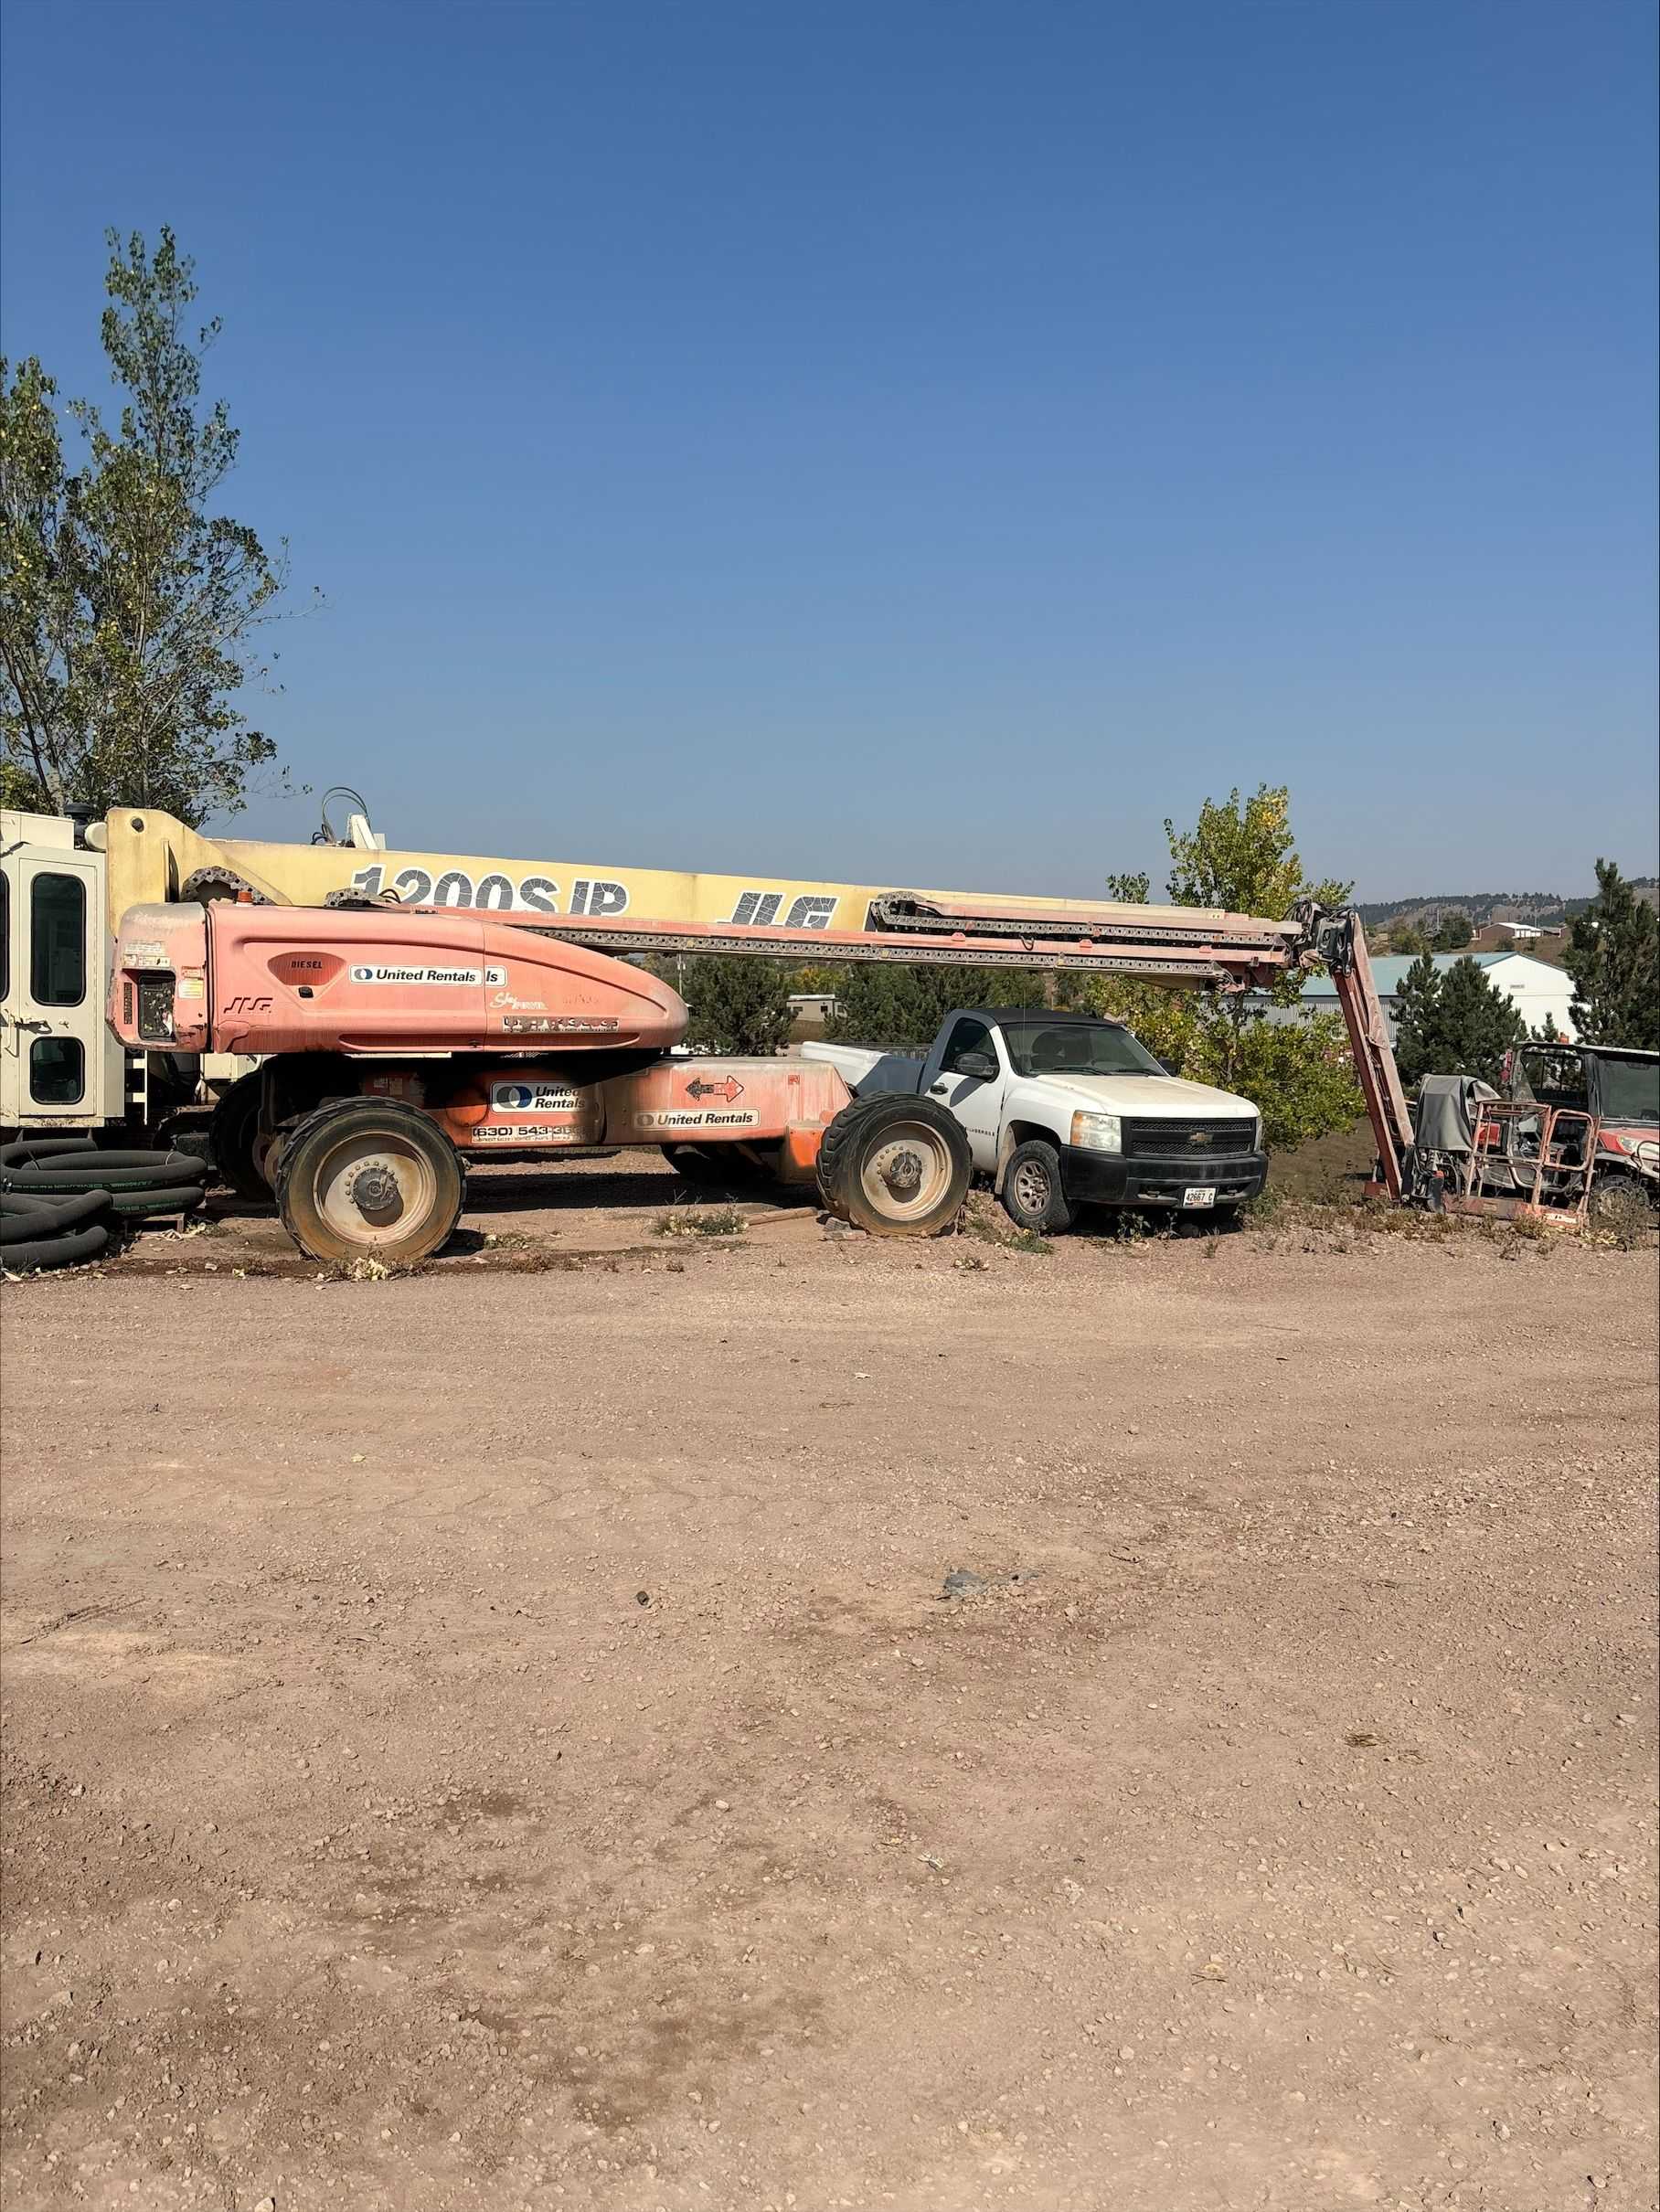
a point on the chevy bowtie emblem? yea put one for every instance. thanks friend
(1199, 1136)
(728, 1090)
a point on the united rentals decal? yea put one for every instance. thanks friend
(533, 1097)
(375, 972)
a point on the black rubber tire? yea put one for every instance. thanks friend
(834, 1144)
(1034, 1167)
(304, 1151)
(231, 1134)
(858, 1135)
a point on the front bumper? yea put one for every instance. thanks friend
(1107, 1178)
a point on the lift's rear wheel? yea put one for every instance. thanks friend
(240, 1153)
(895, 1166)
(369, 1180)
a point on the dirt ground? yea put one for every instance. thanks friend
(500, 1738)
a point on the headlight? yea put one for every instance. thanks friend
(1098, 1131)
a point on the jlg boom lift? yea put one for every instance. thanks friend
(412, 1009)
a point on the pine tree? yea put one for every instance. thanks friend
(1612, 954)
(736, 1006)
(1452, 1022)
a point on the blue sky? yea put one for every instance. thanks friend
(924, 442)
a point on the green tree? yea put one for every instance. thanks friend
(1452, 1021)
(1452, 933)
(1408, 938)
(1294, 1068)
(900, 1002)
(741, 1004)
(1613, 955)
(1130, 890)
(130, 610)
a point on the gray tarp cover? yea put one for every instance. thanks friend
(1445, 1117)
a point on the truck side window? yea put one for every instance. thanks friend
(967, 1037)
(58, 952)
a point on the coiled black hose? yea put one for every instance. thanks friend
(135, 1184)
(52, 1231)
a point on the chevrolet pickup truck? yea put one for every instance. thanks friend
(1067, 1109)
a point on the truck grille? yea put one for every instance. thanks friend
(1161, 1139)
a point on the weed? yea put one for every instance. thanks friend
(982, 1217)
(716, 1222)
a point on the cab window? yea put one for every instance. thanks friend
(968, 1035)
(58, 932)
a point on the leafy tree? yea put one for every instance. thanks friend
(899, 1002)
(1298, 1075)
(1613, 955)
(1452, 1021)
(736, 1006)
(130, 610)
(1408, 937)
(1452, 933)
(1294, 1068)
(1130, 890)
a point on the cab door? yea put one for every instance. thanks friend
(52, 1047)
(975, 1101)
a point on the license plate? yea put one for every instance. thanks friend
(1202, 1194)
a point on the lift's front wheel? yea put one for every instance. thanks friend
(896, 1165)
(369, 1180)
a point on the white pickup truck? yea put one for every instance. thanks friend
(1067, 1110)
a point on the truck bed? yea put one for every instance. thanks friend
(868, 1068)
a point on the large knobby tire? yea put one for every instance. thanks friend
(896, 1165)
(1032, 1193)
(234, 1135)
(369, 1180)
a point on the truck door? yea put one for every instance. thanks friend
(975, 1101)
(53, 1039)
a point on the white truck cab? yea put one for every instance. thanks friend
(1068, 1109)
(60, 1068)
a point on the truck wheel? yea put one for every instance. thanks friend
(897, 1166)
(233, 1136)
(1032, 1193)
(369, 1180)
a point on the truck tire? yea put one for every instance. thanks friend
(896, 1165)
(1033, 1195)
(369, 1180)
(233, 1133)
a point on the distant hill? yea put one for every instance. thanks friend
(1482, 909)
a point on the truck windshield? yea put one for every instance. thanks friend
(1040, 1047)
(1628, 1086)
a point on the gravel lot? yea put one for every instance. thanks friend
(499, 1737)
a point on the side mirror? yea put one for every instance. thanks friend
(980, 1065)
(1171, 1067)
